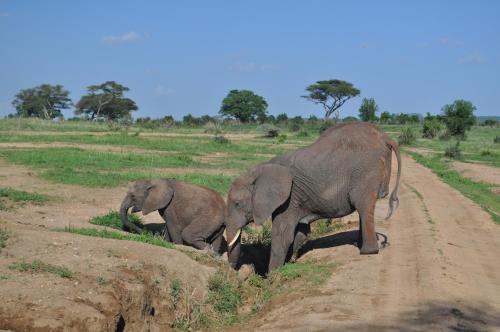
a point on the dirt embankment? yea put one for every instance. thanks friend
(117, 285)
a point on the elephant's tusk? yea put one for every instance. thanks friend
(238, 233)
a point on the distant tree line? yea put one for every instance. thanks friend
(107, 102)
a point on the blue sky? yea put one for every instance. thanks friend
(180, 57)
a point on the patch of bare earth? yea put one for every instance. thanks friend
(478, 172)
(423, 151)
(439, 273)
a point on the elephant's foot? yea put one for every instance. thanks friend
(369, 249)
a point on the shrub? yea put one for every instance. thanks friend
(446, 136)
(221, 139)
(213, 128)
(406, 136)
(459, 117)
(325, 125)
(431, 128)
(454, 152)
(269, 130)
(295, 127)
(496, 139)
(281, 139)
(303, 133)
(487, 153)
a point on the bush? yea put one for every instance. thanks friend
(496, 139)
(221, 139)
(269, 130)
(303, 133)
(281, 139)
(325, 125)
(459, 117)
(213, 128)
(446, 136)
(431, 128)
(406, 136)
(454, 152)
(295, 127)
(487, 153)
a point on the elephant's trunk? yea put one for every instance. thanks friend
(234, 245)
(127, 225)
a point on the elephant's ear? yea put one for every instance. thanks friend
(159, 196)
(272, 187)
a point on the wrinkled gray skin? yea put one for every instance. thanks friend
(194, 215)
(346, 169)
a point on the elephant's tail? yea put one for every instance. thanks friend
(393, 199)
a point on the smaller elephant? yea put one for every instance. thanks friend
(194, 215)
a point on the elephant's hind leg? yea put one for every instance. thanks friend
(300, 236)
(369, 244)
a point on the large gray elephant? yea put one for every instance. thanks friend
(346, 169)
(194, 215)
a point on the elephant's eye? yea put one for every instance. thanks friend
(237, 205)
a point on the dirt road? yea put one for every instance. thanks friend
(441, 271)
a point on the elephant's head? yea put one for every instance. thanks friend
(146, 196)
(254, 197)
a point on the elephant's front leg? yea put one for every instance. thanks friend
(283, 232)
(172, 227)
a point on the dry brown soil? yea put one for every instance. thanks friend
(478, 172)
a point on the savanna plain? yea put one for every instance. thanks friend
(65, 262)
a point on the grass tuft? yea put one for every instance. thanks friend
(4, 236)
(22, 197)
(145, 237)
(38, 266)
(112, 219)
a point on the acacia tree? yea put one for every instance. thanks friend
(368, 110)
(106, 101)
(43, 101)
(332, 94)
(244, 105)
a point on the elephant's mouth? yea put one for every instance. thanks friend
(135, 209)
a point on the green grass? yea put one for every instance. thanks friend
(22, 197)
(479, 139)
(309, 272)
(145, 237)
(105, 169)
(4, 236)
(91, 160)
(424, 207)
(112, 219)
(38, 266)
(224, 298)
(479, 192)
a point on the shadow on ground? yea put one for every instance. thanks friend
(439, 316)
